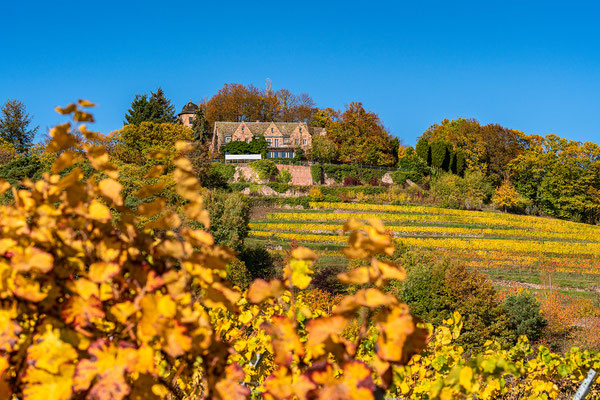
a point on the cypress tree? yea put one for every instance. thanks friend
(201, 127)
(14, 126)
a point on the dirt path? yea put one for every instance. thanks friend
(537, 286)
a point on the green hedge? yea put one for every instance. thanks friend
(340, 172)
(316, 171)
(280, 201)
(336, 191)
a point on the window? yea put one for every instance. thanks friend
(247, 140)
(271, 130)
(269, 141)
(270, 154)
(304, 142)
(286, 141)
(297, 142)
(227, 139)
(300, 129)
(191, 120)
(276, 142)
(291, 154)
(242, 129)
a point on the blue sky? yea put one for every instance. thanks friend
(532, 66)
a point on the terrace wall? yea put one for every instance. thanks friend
(300, 174)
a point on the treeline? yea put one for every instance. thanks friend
(539, 175)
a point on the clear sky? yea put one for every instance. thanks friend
(532, 66)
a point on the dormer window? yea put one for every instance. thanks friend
(272, 130)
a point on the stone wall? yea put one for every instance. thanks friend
(300, 174)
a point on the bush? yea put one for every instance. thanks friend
(469, 192)
(265, 169)
(352, 181)
(505, 197)
(16, 170)
(238, 274)
(223, 171)
(316, 171)
(278, 187)
(524, 314)
(316, 194)
(229, 215)
(340, 172)
(436, 288)
(260, 263)
(284, 176)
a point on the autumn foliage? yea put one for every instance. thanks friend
(103, 302)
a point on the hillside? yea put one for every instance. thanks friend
(533, 251)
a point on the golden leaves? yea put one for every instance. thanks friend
(285, 341)
(102, 271)
(25, 259)
(111, 189)
(9, 329)
(260, 290)
(298, 270)
(81, 312)
(99, 211)
(50, 370)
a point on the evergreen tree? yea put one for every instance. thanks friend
(139, 111)
(14, 126)
(201, 127)
(161, 109)
(156, 109)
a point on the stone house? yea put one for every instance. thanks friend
(284, 138)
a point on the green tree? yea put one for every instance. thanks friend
(524, 314)
(229, 218)
(323, 149)
(157, 108)
(161, 109)
(136, 141)
(201, 127)
(15, 126)
(435, 288)
(139, 111)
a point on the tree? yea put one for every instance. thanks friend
(236, 102)
(323, 149)
(505, 196)
(139, 111)
(14, 126)
(524, 314)
(161, 109)
(156, 109)
(201, 127)
(136, 141)
(361, 138)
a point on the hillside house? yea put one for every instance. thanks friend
(284, 138)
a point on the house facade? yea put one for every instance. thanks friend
(283, 138)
